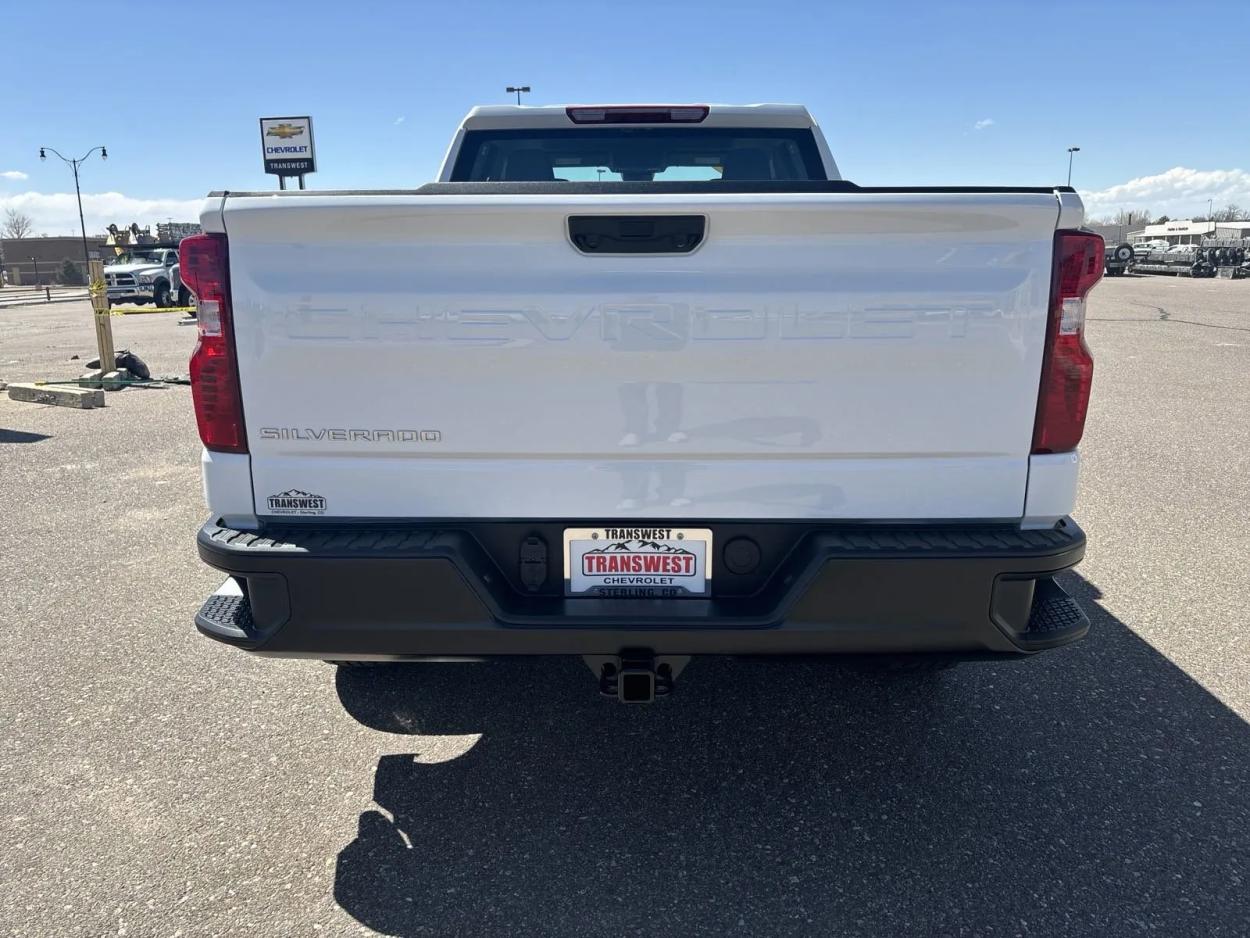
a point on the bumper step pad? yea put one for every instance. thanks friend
(1056, 618)
(227, 613)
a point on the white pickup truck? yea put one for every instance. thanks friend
(142, 274)
(638, 383)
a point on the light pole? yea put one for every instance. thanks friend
(1071, 151)
(104, 155)
(518, 89)
(34, 260)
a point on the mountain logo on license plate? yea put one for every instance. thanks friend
(639, 557)
(626, 563)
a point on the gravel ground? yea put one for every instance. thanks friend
(156, 783)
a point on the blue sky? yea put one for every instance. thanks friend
(899, 88)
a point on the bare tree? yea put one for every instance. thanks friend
(17, 225)
(1230, 212)
(1141, 216)
(1125, 218)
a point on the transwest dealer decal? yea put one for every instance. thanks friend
(296, 502)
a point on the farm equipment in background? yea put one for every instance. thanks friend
(1228, 256)
(1180, 260)
(1118, 259)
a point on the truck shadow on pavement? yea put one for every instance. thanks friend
(1093, 790)
(21, 436)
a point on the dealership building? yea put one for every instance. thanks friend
(1183, 231)
(39, 261)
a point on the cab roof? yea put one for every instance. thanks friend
(515, 117)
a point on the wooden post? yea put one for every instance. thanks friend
(103, 319)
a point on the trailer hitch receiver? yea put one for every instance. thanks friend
(636, 675)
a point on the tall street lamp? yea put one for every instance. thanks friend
(518, 89)
(1071, 151)
(74, 164)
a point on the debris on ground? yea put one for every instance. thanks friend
(81, 398)
(126, 360)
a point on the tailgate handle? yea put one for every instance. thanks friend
(637, 234)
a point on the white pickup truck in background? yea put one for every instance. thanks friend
(141, 274)
(638, 383)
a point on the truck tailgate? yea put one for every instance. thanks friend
(835, 355)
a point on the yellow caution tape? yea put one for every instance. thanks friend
(143, 311)
(96, 288)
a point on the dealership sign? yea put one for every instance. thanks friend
(287, 145)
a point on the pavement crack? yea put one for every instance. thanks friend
(1163, 313)
(1209, 325)
(1165, 316)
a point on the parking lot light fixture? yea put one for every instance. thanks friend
(1071, 152)
(74, 164)
(518, 89)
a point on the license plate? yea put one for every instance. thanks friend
(638, 562)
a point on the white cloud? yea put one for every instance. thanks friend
(983, 123)
(399, 120)
(13, 174)
(56, 213)
(1180, 192)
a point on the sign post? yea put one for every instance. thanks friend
(287, 148)
(103, 320)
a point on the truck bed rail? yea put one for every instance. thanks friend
(692, 187)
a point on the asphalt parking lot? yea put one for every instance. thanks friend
(156, 783)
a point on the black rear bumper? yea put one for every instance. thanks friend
(453, 590)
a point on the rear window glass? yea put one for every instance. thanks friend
(638, 154)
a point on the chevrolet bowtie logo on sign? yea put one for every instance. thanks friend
(286, 146)
(285, 130)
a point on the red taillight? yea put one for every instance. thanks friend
(1067, 366)
(639, 114)
(214, 372)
